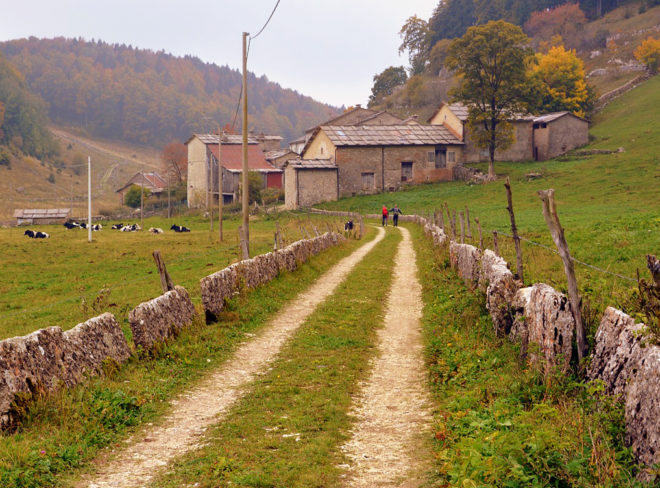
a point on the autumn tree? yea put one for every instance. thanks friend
(174, 160)
(565, 20)
(648, 53)
(416, 37)
(438, 55)
(558, 83)
(385, 82)
(492, 61)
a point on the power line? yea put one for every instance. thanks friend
(271, 16)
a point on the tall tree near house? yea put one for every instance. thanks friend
(492, 61)
(416, 37)
(385, 82)
(174, 159)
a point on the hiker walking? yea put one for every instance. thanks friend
(384, 215)
(395, 211)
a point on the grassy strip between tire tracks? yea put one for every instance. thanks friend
(287, 431)
(497, 424)
(63, 433)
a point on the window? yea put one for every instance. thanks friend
(368, 181)
(451, 156)
(406, 171)
(430, 156)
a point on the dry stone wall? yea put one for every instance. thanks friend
(623, 356)
(157, 320)
(221, 286)
(49, 359)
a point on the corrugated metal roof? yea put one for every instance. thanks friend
(232, 157)
(550, 117)
(42, 213)
(390, 135)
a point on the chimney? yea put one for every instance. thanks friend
(358, 105)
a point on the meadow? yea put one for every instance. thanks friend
(64, 280)
(608, 204)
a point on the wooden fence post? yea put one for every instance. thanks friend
(453, 224)
(244, 245)
(361, 226)
(467, 220)
(496, 246)
(442, 221)
(481, 239)
(165, 280)
(460, 215)
(514, 231)
(557, 232)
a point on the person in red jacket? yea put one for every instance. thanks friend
(384, 215)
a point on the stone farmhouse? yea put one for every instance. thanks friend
(203, 158)
(366, 159)
(535, 137)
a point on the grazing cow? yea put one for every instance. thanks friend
(156, 230)
(118, 226)
(36, 235)
(179, 228)
(348, 225)
(71, 225)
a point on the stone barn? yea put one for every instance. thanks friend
(308, 182)
(536, 137)
(377, 158)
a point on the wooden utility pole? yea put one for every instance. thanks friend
(221, 197)
(142, 200)
(514, 231)
(246, 201)
(557, 232)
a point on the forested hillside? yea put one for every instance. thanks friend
(145, 97)
(22, 117)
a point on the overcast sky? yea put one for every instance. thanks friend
(327, 49)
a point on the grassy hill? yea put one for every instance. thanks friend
(608, 204)
(33, 183)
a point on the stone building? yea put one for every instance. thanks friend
(377, 158)
(203, 168)
(535, 137)
(152, 181)
(309, 181)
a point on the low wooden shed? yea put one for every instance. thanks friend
(33, 216)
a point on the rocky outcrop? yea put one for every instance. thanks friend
(157, 320)
(47, 359)
(500, 286)
(544, 321)
(618, 346)
(643, 408)
(221, 286)
(466, 259)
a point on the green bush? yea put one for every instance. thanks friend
(5, 157)
(133, 196)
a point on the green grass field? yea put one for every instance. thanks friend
(609, 205)
(65, 280)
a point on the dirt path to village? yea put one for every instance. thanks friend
(393, 408)
(150, 450)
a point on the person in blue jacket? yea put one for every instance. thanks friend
(395, 211)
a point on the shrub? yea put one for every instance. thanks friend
(648, 53)
(133, 196)
(5, 157)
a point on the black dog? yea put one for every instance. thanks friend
(348, 225)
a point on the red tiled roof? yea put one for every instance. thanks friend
(155, 179)
(232, 157)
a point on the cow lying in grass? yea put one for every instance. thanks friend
(179, 228)
(36, 235)
(131, 228)
(118, 226)
(156, 230)
(72, 225)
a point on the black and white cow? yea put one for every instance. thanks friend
(156, 230)
(71, 225)
(36, 235)
(97, 227)
(117, 226)
(179, 228)
(131, 228)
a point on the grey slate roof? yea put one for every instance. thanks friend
(554, 116)
(226, 139)
(311, 164)
(459, 110)
(42, 213)
(389, 135)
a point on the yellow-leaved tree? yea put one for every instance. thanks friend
(558, 83)
(648, 53)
